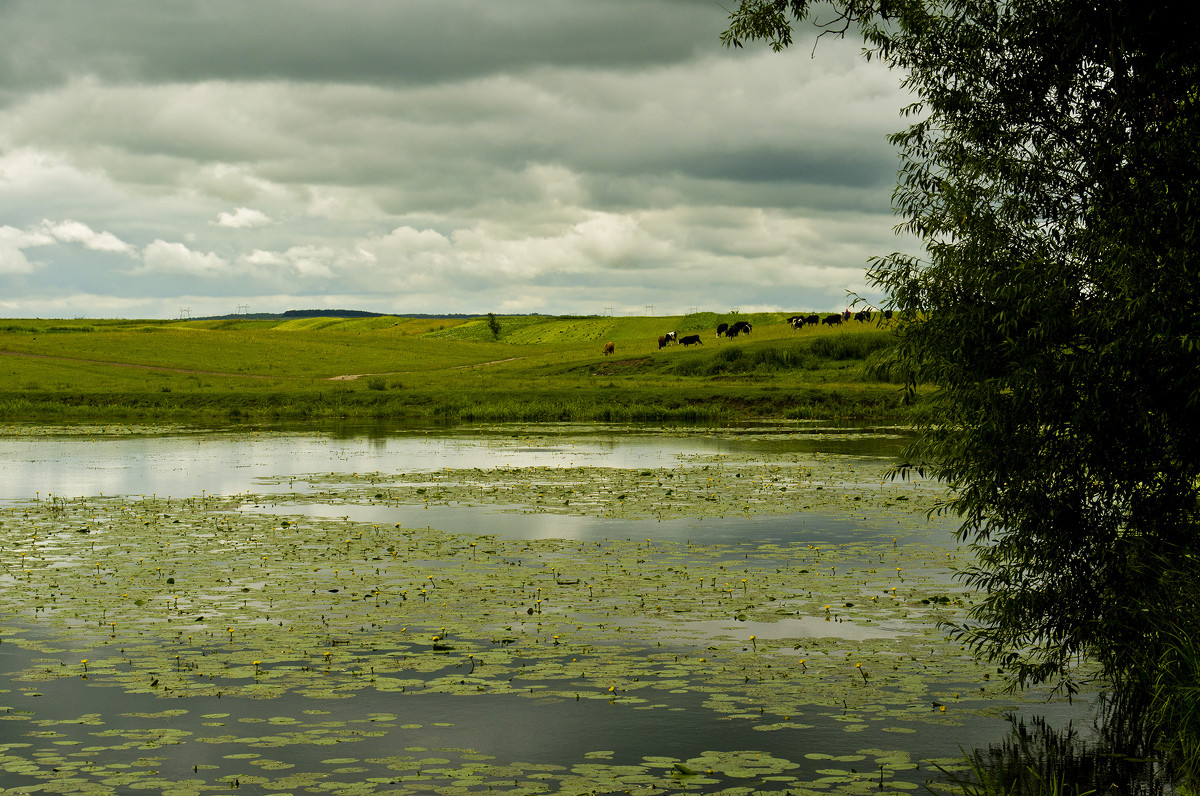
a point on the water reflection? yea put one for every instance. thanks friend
(511, 522)
(221, 735)
(1036, 754)
(508, 728)
(190, 464)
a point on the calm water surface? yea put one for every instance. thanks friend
(185, 464)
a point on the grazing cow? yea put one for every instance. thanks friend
(662, 343)
(671, 338)
(862, 316)
(609, 348)
(722, 328)
(833, 320)
(690, 340)
(814, 320)
(733, 331)
(743, 327)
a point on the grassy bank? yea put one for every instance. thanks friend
(538, 368)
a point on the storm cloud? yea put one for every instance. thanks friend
(462, 156)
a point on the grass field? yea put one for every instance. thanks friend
(538, 368)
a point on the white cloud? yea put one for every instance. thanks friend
(13, 260)
(24, 238)
(78, 232)
(297, 262)
(14, 241)
(407, 240)
(242, 218)
(176, 258)
(564, 174)
(260, 257)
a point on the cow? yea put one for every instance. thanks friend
(722, 328)
(887, 315)
(662, 343)
(609, 348)
(671, 338)
(833, 320)
(733, 331)
(814, 320)
(691, 339)
(743, 327)
(862, 316)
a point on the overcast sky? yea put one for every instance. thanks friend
(203, 157)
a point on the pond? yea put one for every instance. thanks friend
(573, 609)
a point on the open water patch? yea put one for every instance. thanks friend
(516, 522)
(414, 742)
(292, 633)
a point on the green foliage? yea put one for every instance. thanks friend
(810, 354)
(852, 346)
(1051, 173)
(543, 368)
(732, 359)
(493, 325)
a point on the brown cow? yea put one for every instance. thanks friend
(609, 348)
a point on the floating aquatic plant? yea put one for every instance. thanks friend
(197, 599)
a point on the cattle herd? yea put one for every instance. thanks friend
(736, 328)
(834, 319)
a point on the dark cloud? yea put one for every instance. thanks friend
(358, 41)
(826, 167)
(566, 155)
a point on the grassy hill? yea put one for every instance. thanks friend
(537, 368)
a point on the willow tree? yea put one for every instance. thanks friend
(1050, 170)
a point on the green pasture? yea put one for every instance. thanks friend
(537, 368)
